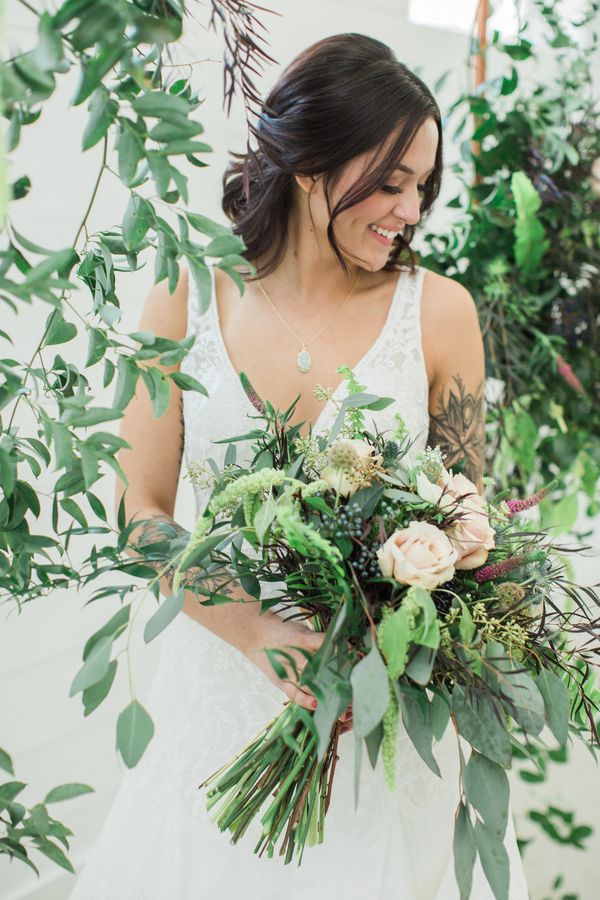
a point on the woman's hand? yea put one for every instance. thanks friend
(274, 632)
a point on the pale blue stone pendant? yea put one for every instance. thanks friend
(304, 361)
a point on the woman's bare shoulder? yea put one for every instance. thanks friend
(444, 297)
(164, 313)
(449, 319)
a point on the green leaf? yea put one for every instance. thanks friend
(556, 703)
(97, 347)
(94, 667)
(465, 851)
(370, 693)
(264, 517)
(6, 762)
(127, 376)
(486, 788)
(207, 226)
(138, 218)
(530, 243)
(67, 792)
(93, 696)
(113, 628)
(202, 281)
(134, 732)
(177, 128)
(416, 716)
(93, 71)
(11, 789)
(73, 510)
(165, 614)
(59, 331)
(420, 664)
(394, 638)
(481, 724)
(103, 111)
(220, 246)
(53, 852)
(160, 105)
(130, 149)
(494, 860)
(517, 685)
(158, 388)
(188, 383)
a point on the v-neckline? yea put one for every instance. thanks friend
(329, 404)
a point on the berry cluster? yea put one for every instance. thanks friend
(387, 509)
(365, 564)
(348, 522)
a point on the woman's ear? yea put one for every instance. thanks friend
(306, 182)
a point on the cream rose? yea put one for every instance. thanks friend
(420, 555)
(471, 534)
(349, 464)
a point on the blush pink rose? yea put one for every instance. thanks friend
(420, 555)
(471, 534)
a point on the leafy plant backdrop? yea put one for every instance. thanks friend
(526, 228)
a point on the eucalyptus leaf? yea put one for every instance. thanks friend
(486, 787)
(416, 716)
(135, 730)
(480, 722)
(166, 612)
(494, 860)
(464, 850)
(95, 666)
(556, 702)
(370, 695)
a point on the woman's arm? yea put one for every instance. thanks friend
(152, 464)
(456, 392)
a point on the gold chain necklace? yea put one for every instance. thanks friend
(304, 359)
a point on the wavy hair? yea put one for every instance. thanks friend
(342, 96)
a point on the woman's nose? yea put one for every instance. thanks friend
(409, 207)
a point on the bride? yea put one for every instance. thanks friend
(349, 159)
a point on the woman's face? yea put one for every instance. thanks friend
(389, 208)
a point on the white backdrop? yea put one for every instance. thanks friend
(40, 649)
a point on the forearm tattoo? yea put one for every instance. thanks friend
(150, 538)
(457, 427)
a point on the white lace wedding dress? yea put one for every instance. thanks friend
(207, 701)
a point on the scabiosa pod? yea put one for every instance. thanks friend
(516, 506)
(499, 569)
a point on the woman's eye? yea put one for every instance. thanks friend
(393, 189)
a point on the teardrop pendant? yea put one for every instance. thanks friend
(303, 360)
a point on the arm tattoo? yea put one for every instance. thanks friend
(458, 428)
(153, 537)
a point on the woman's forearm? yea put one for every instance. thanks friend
(235, 622)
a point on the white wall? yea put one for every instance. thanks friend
(40, 649)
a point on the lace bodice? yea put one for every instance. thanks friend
(392, 367)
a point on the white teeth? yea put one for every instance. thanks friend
(390, 235)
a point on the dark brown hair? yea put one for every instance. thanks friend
(340, 97)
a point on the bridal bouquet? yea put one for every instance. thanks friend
(437, 606)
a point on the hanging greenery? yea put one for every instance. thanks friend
(54, 442)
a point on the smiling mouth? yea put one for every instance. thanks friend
(383, 239)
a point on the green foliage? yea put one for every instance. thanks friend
(56, 437)
(23, 829)
(526, 245)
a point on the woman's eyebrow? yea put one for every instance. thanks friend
(401, 168)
